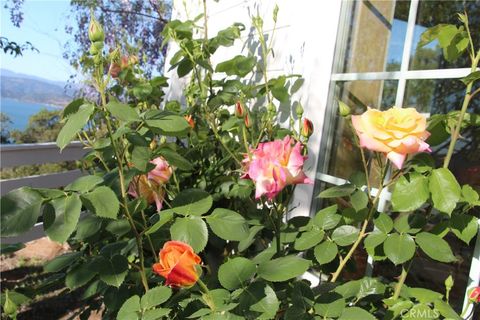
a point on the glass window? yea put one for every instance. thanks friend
(376, 36)
(431, 13)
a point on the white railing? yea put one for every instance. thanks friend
(12, 155)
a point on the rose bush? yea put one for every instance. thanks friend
(182, 213)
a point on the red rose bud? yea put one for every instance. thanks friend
(190, 121)
(474, 295)
(248, 123)
(307, 128)
(239, 110)
(95, 30)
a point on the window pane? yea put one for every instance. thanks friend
(431, 13)
(376, 36)
(345, 158)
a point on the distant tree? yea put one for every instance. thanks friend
(16, 17)
(128, 24)
(43, 126)
(5, 123)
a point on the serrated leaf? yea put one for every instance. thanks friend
(235, 272)
(345, 235)
(192, 202)
(399, 248)
(338, 191)
(383, 222)
(191, 230)
(356, 313)
(61, 262)
(228, 224)
(122, 111)
(435, 247)
(75, 122)
(20, 209)
(61, 217)
(327, 218)
(282, 269)
(325, 252)
(445, 190)
(410, 194)
(155, 297)
(112, 271)
(130, 309)
(84, 184)
(103, 202)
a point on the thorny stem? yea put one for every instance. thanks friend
(458, 126)
(399, 285)
(138, 237)
(208, 299)
(364, 161)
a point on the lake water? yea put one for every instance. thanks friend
(20, 111)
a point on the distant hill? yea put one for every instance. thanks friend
(33, 89)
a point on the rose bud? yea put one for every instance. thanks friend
(124, 62)
(307, 128)
(95, 30)
(132, 60)
(190, 121)
(115, 70)
(152, 192)
(178, 264)
(474, 295)
(248, 123)
(343, 109)
(239, 110)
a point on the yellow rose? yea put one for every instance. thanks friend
(396, 132)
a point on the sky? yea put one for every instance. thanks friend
(44, 26)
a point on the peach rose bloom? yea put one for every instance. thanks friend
(162, 171)
(397, 132)
(151, 191)
(178, 264)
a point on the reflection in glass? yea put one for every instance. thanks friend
(431, 13)
(376, 36)
(359, 95)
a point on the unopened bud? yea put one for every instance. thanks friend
(248, 123)
(96, 48)
(114, 70)
(271, 108)
(153, 144)
(239, 110)
(343, 109)
(95, 30)
(133, 60)
(190, 121)
(307, 128)
(299, 110)
(124, 62)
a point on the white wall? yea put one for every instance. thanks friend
(304, 43)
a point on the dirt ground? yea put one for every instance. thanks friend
(25, 267)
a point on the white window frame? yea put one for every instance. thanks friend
(402, 76)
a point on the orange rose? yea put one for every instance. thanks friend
(396, 132)
(178, 264)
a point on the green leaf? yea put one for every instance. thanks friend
(327, 218)
(247, 242)
(165, 217)
(446, 310)
(79, 276)
(20, 209)
(359, 200)
(176, 159)
(239, 66)
(129, 309)
(118, 227)
(435, 247)
(399, 248)
(155, 296)
(60, 223)
(410, 194)
(423, 295)
(470, 195)
(464, 226)
(141, 157)
(155, 314)
(88, 227)
(309, 239)
(74, 124)
(474, 76)
(338, 191)
(103, 202)
(72, 107)
(345, 235)
(122, 111)
(61, 262)
(192, 202)
(112, 271)
(191, 230)
(84, 184)
(330, 305)
(268, 305)
(142, 91)
(228, 224)
(297, 85)
(374, 239)
(356, 313)
(445, 190)
(325, 252)
(282, 269)
(383, 222)
(236, 272)
(168, 124)
(429, 35)
(6, 248)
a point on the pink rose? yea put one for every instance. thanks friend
(274, 165)
(151, 191)
(396, 132)
(162, 171)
